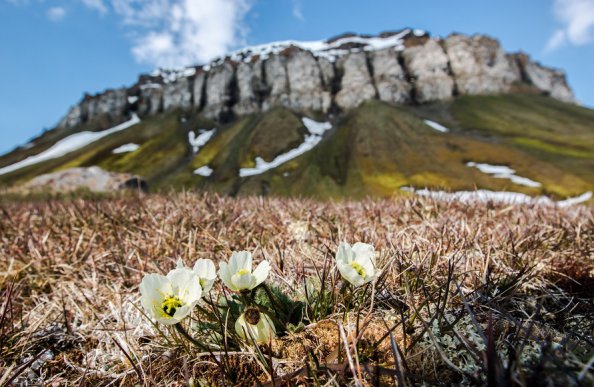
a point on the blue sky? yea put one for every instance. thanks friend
(55, 50)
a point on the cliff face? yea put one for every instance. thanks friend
(400, 67)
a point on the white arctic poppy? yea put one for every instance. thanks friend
(258, 326)
(237, 273)
(357, 263)
(205, 270)
(169, 299)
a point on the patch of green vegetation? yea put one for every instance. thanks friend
(276, 132)
(558, 149)
(372, 150)
(529, 116)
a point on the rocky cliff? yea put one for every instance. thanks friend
(405, 67)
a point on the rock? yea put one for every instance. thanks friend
(305, 82)
(151, 99)
(73, 118)
(356, 85)
(198, 89)
(94, 179)
(551, 81)
(390, 79)
(328, 73)
(218, 90)
(178, 94)
(514, 66)
(427, 65)
(111, 103)
(275, 68)
(251, 87)
(479, 65)
(413, 67)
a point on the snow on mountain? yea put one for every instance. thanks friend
(504, 172)
(506, 197)
(321, 48)
(204, 170)
(125, 148)
(436, 126)
(69, 144)
(199, 141)
(316, 130)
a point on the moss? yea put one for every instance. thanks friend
(532, 144)
(372, 150)
(275, 132)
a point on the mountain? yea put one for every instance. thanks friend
(352, 116)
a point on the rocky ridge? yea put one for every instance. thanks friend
(400, 67)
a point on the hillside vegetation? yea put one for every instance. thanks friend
(374, 149)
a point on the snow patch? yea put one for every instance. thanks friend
(504, 172)
(69, 144)
(316, 131)
(329, 50)
(172, 75)
(436, 126)
(483, 196)
(132, 99)
(125, 148)
(315, 127)
(205, 170)
(197, 142)
(575, 200)
(150, 85)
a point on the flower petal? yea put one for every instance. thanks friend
(344, 253)
(186, 285)
(182, 312)
(363, 253)
(261, 272)
(350, 274)
(153, 289)
(205, 269)
(266, 329)
(206, 285)
(225, 274)
(243, 281)
(240, 260)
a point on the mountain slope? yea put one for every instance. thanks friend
(349, 117)
(374, 149)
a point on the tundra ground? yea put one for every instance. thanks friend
(469, 293)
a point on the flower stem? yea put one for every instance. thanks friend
(192, 340)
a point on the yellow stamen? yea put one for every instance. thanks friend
(358, 268)
(243, 271)
(170, 305)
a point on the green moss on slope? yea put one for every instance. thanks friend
(374, 150)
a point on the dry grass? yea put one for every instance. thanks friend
(470, 294)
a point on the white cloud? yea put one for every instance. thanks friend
(297, 11)
(175, 33)
(56, 14)
(97, 5)
(577, 17)
(556, 40)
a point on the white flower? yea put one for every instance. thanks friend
(205, 270)
(258, 326)
(357, 263)
(238, 275)
(169, 299)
